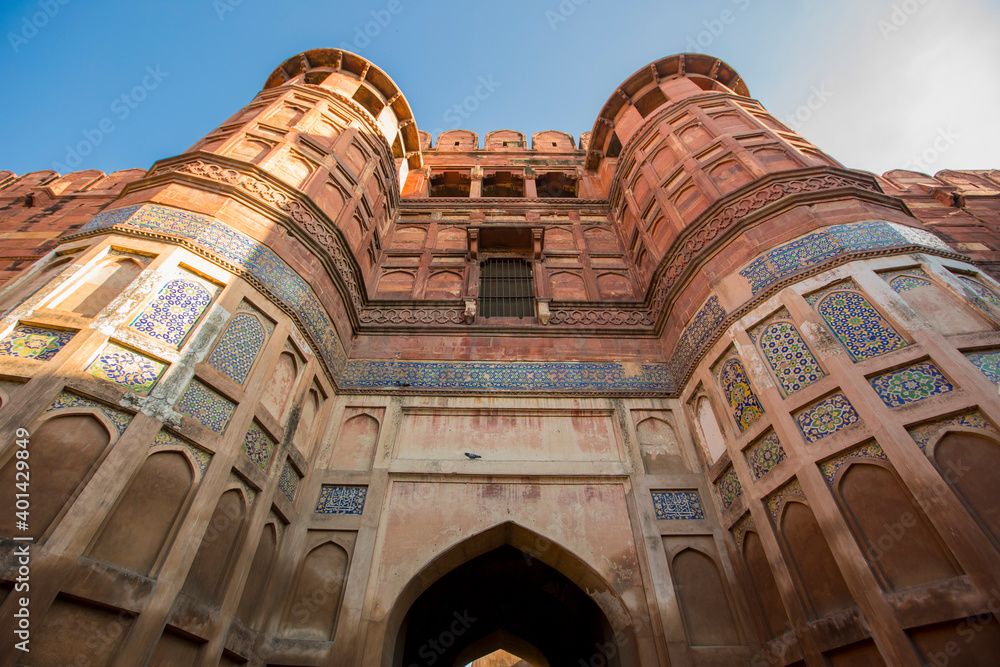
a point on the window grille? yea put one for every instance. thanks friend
(506, 288)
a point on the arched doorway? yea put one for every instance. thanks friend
(509, 589)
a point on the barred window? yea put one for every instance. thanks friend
(506, 288)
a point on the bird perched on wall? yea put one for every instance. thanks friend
(473, 456)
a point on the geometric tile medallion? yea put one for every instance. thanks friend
(341, 499)
(736, 386)
(288, 481)
(790, 359)
(257, 445)
(206, 406)
(68, 401)
(826, 417)
(910, 384)
(729, 488)
(764, 455)
(988, 362)
(677, 505)
(238, 347)
(861, 328)
(26, 342)
(126, 368)
(170, 316)
(871, 451)
(924, 433)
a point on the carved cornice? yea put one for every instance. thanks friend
(292, 204)
(477, 203)
(747, 206)
(694, 246)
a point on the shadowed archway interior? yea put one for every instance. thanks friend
(504, 593)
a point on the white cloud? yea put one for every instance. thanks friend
(903, 80)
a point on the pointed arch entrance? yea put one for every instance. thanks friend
(509, 588)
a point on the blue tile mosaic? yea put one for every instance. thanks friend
(341, 499)
(982, 290)
(206, 406)
(39, 343)
(859, 326)
(988, 363)
(729, 488)
(68, 401)
(170, 316)
(831, 242)
(906, 280)
(258, 445)
(911, 384)
(698, 333)
(504, 376)
(765, 455)
(242, 251)
(127, 368)
(788, 356)
(826, 417)
(741, 398)
(678, 505)
(238, 347)
(288, 482)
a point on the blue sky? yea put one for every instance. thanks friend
(879, 84)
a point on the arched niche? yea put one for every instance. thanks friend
(493, 573)
(19, 291)
(100, 287)
(704, 604)
(137, 529)
(659, 446)
(712, 439)
(212, 565)
(764, 587)
(821, 583)
(452, 238)
(934, 304)
(902, 546)
(501, 648)
(614, 286)
(398, 284)
(409, 237)
(444, 285)
(356, 443)
(968, 462)
(253, 601)
(314, 607)
(600, 239)
(559, 239)
(281, 385)
(567, 286)
(64, 451)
